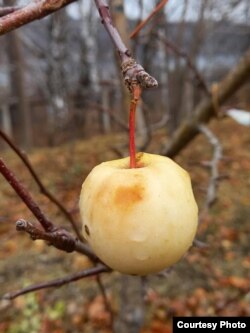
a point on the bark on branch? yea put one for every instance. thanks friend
(21, 154)
(33, 11)
(213, 166)
(58, 282)
(206, 109)
(133, 73)
(8, 10)
(57, 237)
(26, 197)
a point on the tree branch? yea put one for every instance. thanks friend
(206, 110)
(58, 282)
(133, 73)
(180, 53)
(142, 24)
(42, 188)
(8, 10)
(58, 237)
(33, 11)
(213, 165)
(112, 115)
(105, 298)
(26, 197)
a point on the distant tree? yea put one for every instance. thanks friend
(17, 85)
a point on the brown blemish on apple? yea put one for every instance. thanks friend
(139, 158)
(140, 164)
(126, 196)
(87, 230)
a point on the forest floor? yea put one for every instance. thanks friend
(214, 280)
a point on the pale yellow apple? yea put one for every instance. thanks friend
(140, 220)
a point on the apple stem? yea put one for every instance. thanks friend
(136, 93)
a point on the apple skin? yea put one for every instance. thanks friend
(139, 220)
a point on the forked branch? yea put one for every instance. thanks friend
(58, 237)
(26, 197)
(38, 181)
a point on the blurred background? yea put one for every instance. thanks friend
(63, 101)
(60, 77)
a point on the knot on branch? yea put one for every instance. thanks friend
(62, 240)
(135, 74)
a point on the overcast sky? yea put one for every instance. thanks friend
(174, 9)
(223, 8)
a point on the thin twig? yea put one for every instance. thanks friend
(35, 10)
(213, 165)
(204, 111)
(42, 188)
(181, 53)
(59, 237)
(112, 115)
(133, 73)
(200, 244)
(145, 132)
(26, 197)
(105, 298)
(58, 282)
(166, 272)
(142, 24)
(8, 10)
(161, 123)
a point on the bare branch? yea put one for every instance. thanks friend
(8, 10)
(213, 165)
(26, 197)
(35, 10)
(205, 109)
(199, 244)
(142, 24)
(161, 123)
(58, 282)
(112, 115)
(133, 73)
(58, 237)
(180, 53)
(42, 188)
(105, 298)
